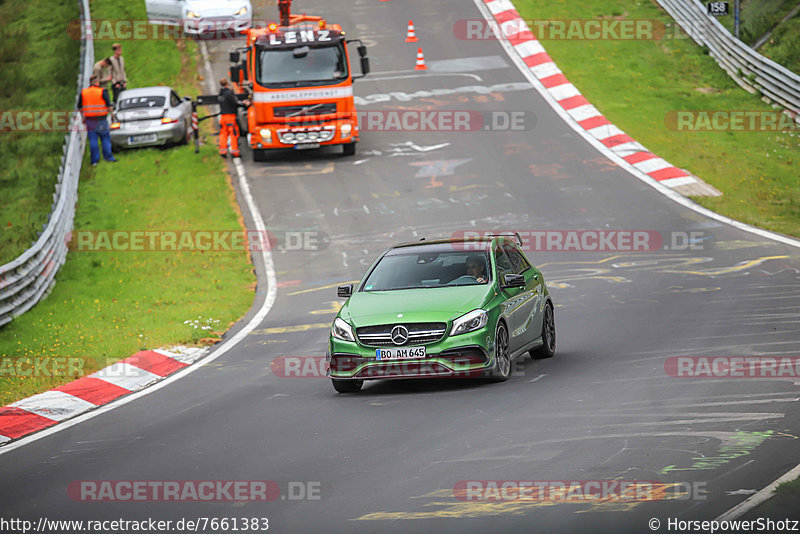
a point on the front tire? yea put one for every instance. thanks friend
(502, 365)
(347, 386)
(548, 348)
(349, 149)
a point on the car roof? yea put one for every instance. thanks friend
(463, 244)
(158, 90)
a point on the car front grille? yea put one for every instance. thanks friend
(418, 334)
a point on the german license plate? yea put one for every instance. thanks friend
(400, 353)
(142, 138)
(305, 146)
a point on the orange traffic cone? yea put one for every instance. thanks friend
(411, 36)
(420, 61)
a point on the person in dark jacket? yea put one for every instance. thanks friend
(228, 106)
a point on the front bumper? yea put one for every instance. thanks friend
(463, 356)
(303, 137)
(128, 135)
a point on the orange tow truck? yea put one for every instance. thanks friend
(297, 75)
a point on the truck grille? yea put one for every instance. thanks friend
(323, 109)
(418, 334)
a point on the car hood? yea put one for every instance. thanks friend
(212, 8)
(417, 305)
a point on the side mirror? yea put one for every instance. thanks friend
(513, 280)
(345, 291)
(235, 74)
(234, 57)
(300, 52)
(364, 66)
(362, 50)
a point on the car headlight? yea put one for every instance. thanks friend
(469, 322)
(346, 129)
(192, 15)
(242, 10)
(341, 330)
(266, 135)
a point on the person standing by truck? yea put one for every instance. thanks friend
(95, 105)
(228, 127)
(119, 80)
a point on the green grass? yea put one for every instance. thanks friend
(108, 305)
(39, 69)
(636, 83)
(783, 47)
(757, 17)
(790, 488)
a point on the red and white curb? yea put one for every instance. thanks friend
(516, 32)
(132, 374)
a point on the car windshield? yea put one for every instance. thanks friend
(437, 269)
(321, 64)
(142, 102)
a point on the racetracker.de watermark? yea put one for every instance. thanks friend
(605, 29)
(405, 120)
(120, 30)
(318, 367)
(577, 491)
(196, 240)
(611, 240)
(193, 490)
(733, 366)
(30, 120)
(732, 121)
(48, 366)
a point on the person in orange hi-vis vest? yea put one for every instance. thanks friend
(95, 105)
(228, 128)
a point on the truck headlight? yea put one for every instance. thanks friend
(266, 135)
(469, 322)
(347, 128)
(341, 330)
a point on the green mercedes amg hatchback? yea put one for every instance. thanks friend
(445, 308)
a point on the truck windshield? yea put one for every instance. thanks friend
(279, 67)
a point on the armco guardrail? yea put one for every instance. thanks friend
(747, 67)
(29, 278)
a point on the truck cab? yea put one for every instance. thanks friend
(299, 79)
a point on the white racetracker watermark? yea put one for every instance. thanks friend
(761, 524)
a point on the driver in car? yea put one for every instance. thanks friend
(476, 266)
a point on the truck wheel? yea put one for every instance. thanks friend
(350, 149)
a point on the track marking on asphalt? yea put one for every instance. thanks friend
(467, 89)
(328, 286)
(334, 308)
(517, 59)
(732, 269)
(289, 329)
(220, 349)
(455, 508)
(307, 169)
